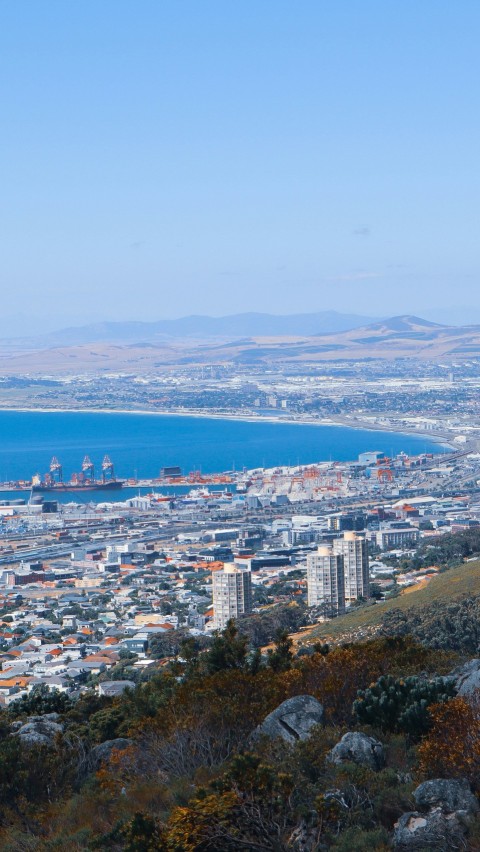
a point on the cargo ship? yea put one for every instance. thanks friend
(84, 481)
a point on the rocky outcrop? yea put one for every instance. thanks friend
(293, 720)
(467, 677)
(38, 730)
(448, 794)
(435, 830)
(103, 752)
(445, 808)
(358, 748)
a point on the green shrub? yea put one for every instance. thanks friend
(394, 704)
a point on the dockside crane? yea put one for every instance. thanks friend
(108, 473)
(56, 470)
(88, 469)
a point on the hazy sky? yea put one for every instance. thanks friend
(167, 157)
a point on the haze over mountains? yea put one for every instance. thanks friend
(145, 351)
(249, 324)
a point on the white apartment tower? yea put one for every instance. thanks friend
(232, 594)
(354, 550)
(325, 581)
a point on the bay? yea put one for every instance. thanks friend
(140, 444)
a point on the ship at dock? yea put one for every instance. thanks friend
(83, 481)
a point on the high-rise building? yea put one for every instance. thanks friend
(232, 594)
(325, 581)
(354, 550)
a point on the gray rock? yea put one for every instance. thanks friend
(448, 794)
(358, 748)
(467, 677)
(293, 720)
(38, 730)
(103, 752)
(436, 830)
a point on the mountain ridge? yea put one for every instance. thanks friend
(405, 336)
(248, 324)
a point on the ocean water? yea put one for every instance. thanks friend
(140, 444)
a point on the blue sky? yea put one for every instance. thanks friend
(202, 156)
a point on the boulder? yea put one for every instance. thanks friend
(447, 794)
(356, 747)
(467, 677)
(293, 720)
(434, 830)
(103, 752)
(38, 730)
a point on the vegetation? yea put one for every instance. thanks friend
(41, 700)
(456, 723)
(192, 779)
(402, 704)
(447, 550)
(260, 629)
(452, 586)
(451, 625)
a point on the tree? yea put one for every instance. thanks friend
(255, 661)
(41, 700)
(228, 651)
(280, 658)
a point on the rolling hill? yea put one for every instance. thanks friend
(398, 337)
(236, 326)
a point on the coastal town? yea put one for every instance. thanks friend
(436, 399)
(100, 595)
(100, 592)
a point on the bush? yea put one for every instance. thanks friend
(395, 705)
(452, 747)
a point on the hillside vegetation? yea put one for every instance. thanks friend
(456, 584)
(188, 777)
(177, 764)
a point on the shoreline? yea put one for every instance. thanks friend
(434, 438)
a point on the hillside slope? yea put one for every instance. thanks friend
(448, 587)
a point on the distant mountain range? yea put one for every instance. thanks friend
(137, 348)
(199, 327)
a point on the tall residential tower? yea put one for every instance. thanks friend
(354, 550)
(325, 581)
(232, 594)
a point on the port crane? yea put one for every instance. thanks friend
(108, 472)
(56, 470)
(88, 469)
